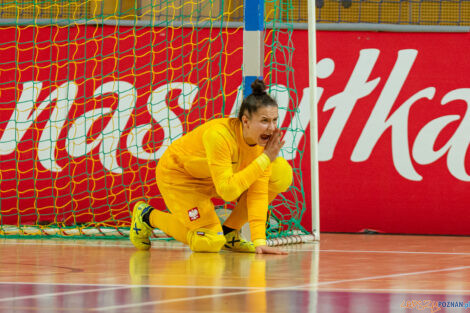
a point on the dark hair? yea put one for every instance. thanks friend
(259, 98)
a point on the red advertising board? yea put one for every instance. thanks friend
(394, 132)
(393, 125)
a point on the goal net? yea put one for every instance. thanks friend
(93, 92)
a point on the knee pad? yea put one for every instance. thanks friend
(281, 175)
(205, 240)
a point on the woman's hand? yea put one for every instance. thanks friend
(274, 145)
(269, 250)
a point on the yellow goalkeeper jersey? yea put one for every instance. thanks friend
(216, 154)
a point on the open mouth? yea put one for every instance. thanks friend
(265, 137)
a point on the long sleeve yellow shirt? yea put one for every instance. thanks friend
(217, 150)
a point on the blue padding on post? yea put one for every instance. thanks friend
(254, 14)
(247, 80)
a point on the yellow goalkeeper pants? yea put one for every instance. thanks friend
(193, 219)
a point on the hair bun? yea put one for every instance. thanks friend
(258, 87)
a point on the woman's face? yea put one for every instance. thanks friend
(258, 128)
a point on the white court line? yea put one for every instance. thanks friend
(65, 293)
(273, 289)
(251, 288)
(251, 291)
(385, 251)
(399, 290)
(142, 286)
(135, 305)
(450, 269)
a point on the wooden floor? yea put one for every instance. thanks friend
(341, 273)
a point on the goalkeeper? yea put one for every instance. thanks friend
(235, 159)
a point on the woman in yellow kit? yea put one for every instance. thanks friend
(235, 159)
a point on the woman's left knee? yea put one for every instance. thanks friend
(281, 175)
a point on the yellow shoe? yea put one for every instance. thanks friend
(140, 232)
(235, 242)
